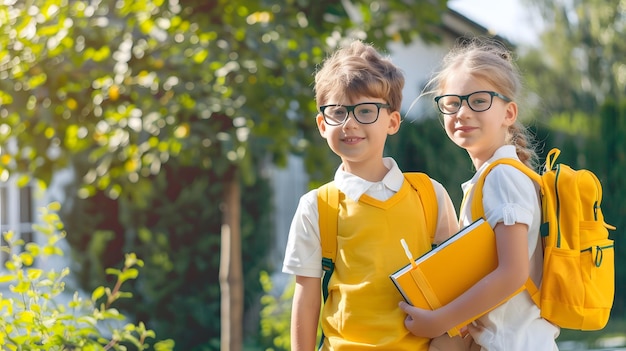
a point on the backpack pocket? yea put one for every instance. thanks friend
(598, 269)
(578, 286)
(597, 263)
(562, 286)
(597, 256)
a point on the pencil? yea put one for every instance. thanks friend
(408, 253)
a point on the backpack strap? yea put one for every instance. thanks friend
(477, 200)
(479, 211)
(424, 186)
(328, 210)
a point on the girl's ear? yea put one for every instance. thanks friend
(394, 123)
(510, 115)
(321, 126)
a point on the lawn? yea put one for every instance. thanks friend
(611, 337)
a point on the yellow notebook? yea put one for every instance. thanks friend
(444, 273)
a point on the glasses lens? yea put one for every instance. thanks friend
(366, 113)
(480, 101)
(449, 104)
(335, 114)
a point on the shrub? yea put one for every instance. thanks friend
(275, 315)
(32, 316)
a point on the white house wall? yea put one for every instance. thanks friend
(418, 61)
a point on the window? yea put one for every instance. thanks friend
(16, 213)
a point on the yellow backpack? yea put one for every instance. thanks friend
(578, 282)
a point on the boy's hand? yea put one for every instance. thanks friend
(421, 322)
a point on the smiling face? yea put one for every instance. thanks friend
(480, 133)
(361, 146)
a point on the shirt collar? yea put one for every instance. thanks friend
(354, 186)
(506, 151)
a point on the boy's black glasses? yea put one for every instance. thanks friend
(364, 113)
(478, 101)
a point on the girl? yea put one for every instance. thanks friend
(476, 92)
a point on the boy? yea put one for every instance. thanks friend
(359, 94)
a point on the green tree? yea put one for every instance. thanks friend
(122, 90)
(612, 146)
(580, 58)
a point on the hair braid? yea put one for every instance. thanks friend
(523, 140)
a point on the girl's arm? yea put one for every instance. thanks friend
(305, 313)
(510, 275)
(447, 222)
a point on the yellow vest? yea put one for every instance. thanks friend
(362, 310)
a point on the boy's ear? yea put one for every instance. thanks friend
(321, 126)
(394, 122)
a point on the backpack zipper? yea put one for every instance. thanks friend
(558, 206)
(596, 204)
(599, 253)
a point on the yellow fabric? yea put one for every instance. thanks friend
(578, 235)
(362, 312)
(578, 283)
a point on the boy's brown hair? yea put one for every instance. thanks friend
(359, 70)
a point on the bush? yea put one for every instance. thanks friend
(275, 321)
(173, 222)
(31, 316)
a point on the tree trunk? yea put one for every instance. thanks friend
(231, 272)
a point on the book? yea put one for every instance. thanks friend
(444, 273)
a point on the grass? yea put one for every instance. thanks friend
(614, 332)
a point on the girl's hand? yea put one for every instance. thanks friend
(422, 322)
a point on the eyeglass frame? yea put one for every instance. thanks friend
(466, 98)
(351, 108)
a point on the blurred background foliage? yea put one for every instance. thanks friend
(156, 105)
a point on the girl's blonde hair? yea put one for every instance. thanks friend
(359, 70)
(491, 61)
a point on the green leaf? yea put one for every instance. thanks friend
(26, 258)
(101, 54)
(33, 273)
(97, 293)
(130, 273)
(112, 271)
(7, 278)
(164, 345)
(54, 206)
(200, 56)
(8, 236)
(21, 288)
